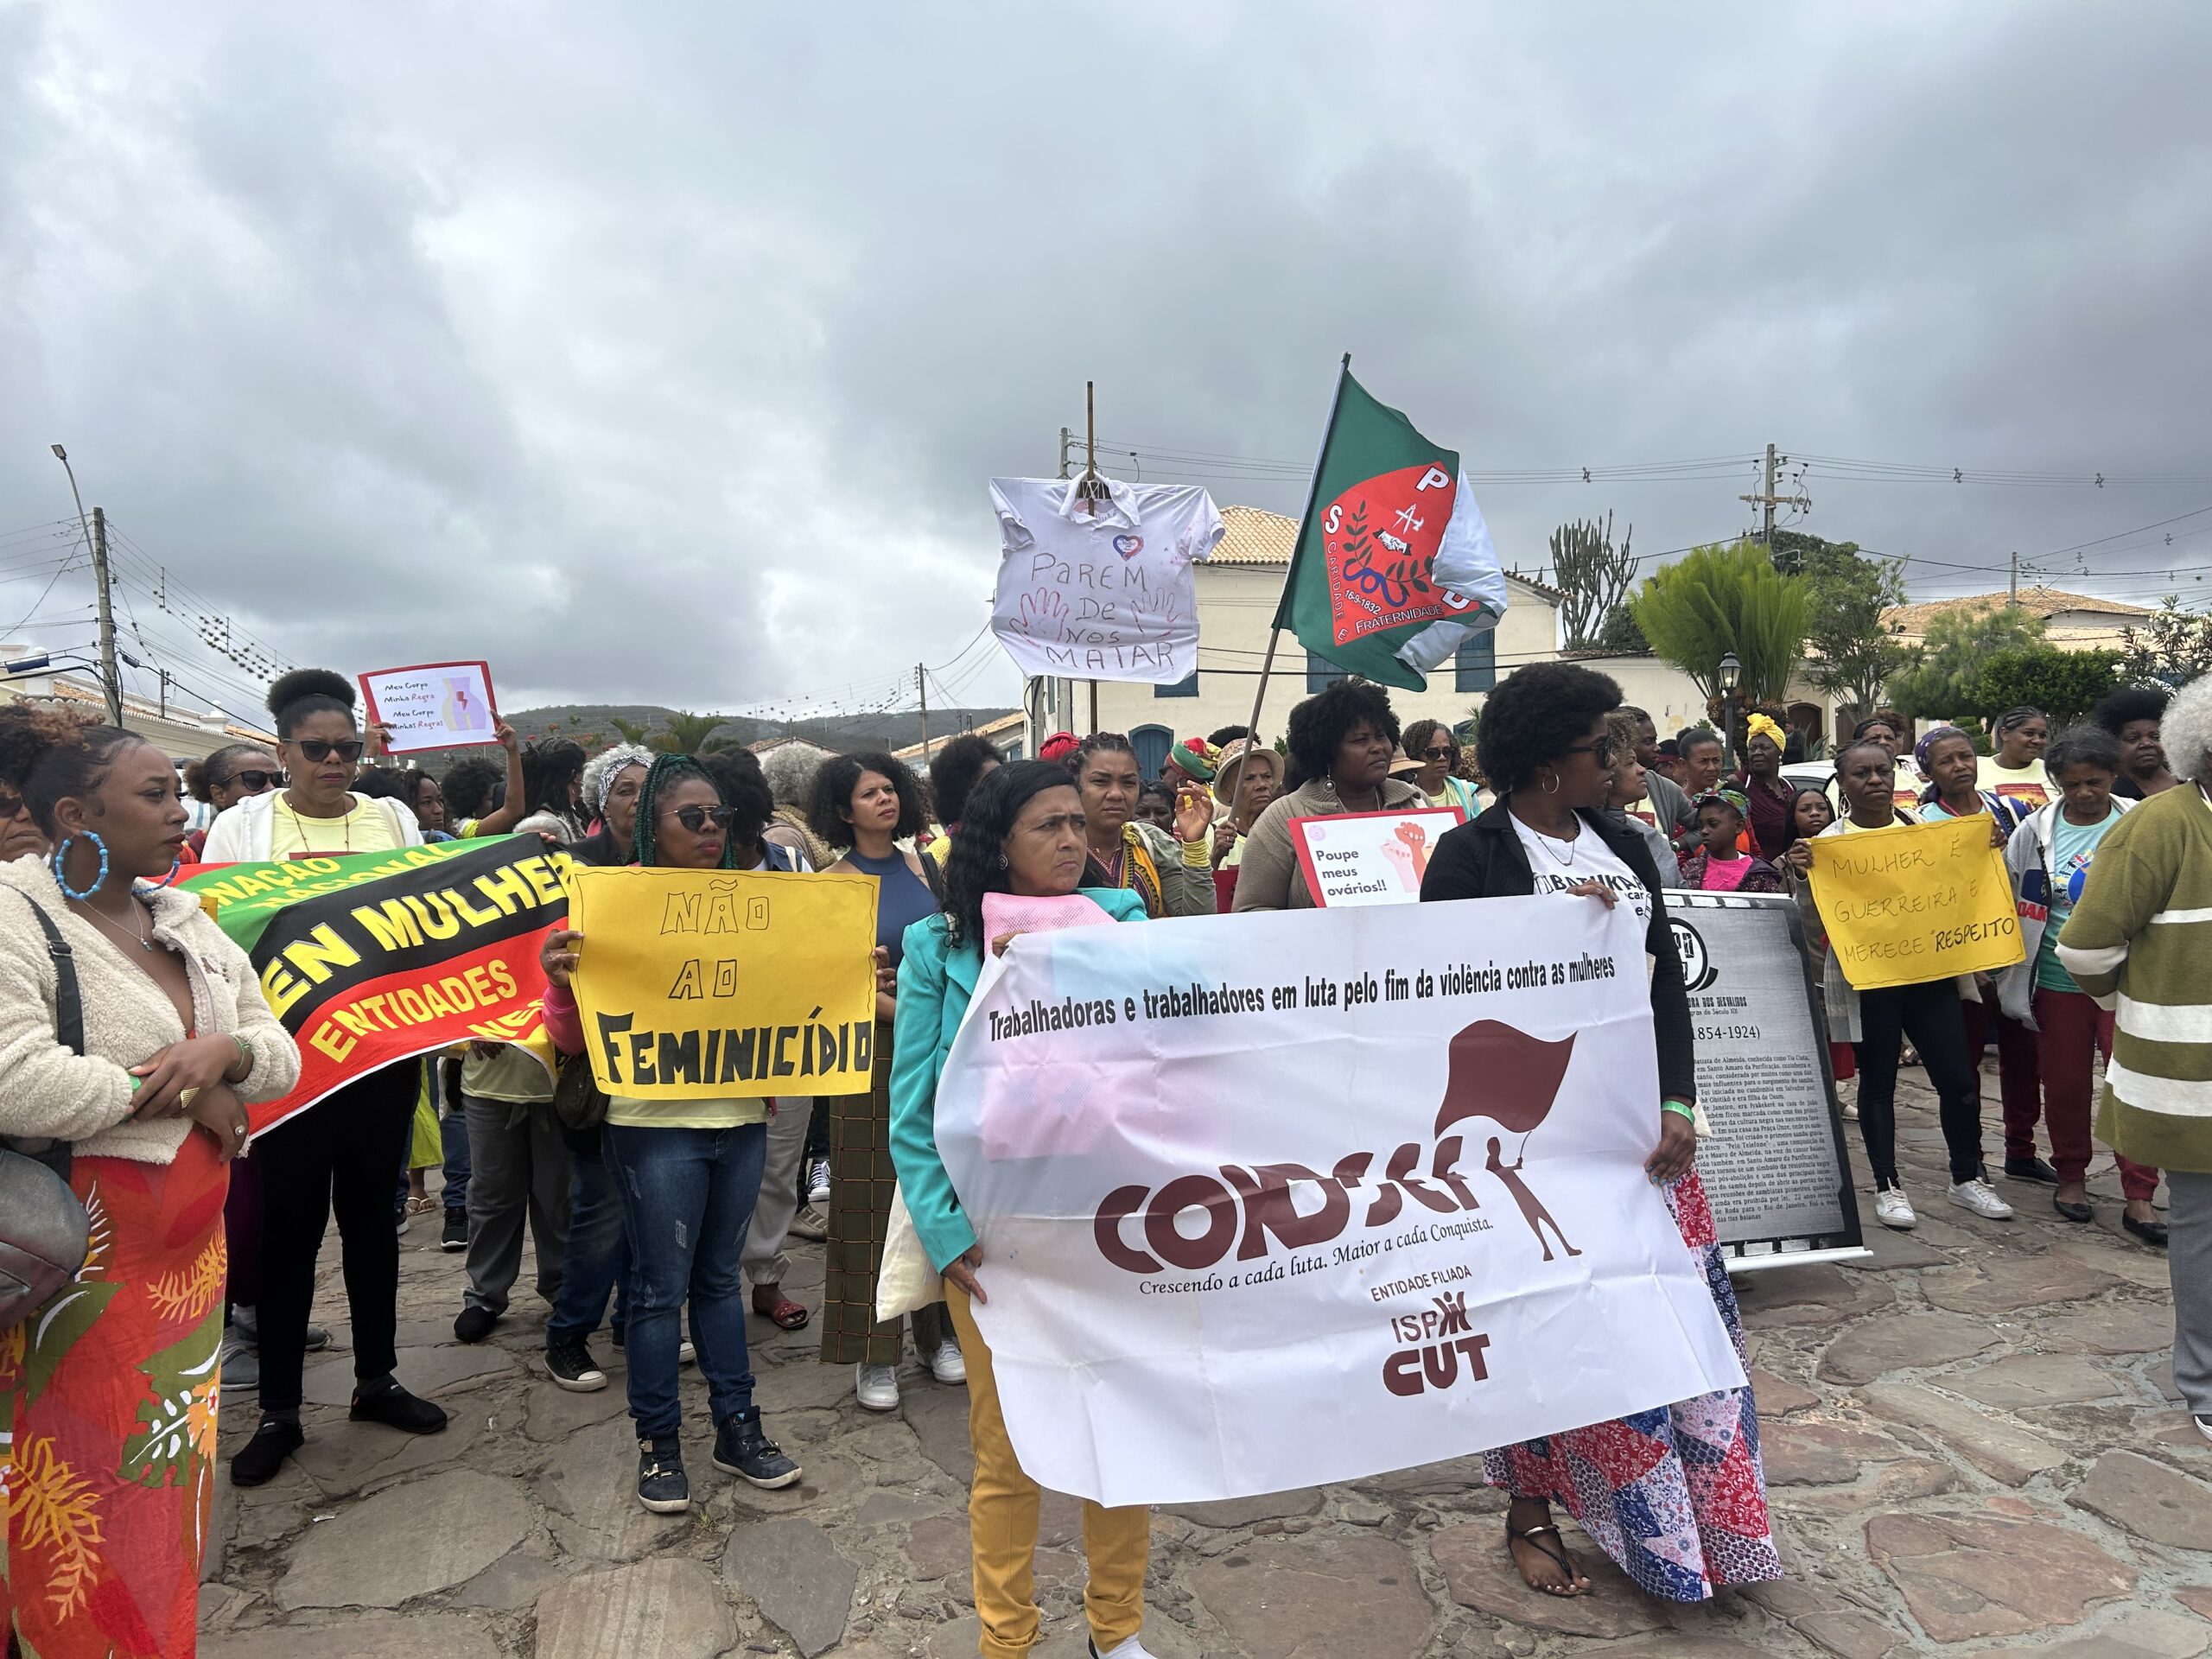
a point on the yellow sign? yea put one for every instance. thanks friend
(1915, 902)
(719, 984)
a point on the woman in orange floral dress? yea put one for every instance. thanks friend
(109, 1391)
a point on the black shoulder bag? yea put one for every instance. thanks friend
(44, 1233)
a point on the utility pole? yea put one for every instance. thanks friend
(1067, 440)
(2012, 591)
(1766, 500)
(921, 690)
(109, 681)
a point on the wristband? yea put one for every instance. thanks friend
(245, 1060)
(1680, 1110)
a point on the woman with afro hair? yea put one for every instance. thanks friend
(1341, 742)
(1674, 1495)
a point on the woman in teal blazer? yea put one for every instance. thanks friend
(1022, 833)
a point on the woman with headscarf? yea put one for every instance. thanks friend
(1649, 1490)
(1022, 834)
(1767, 794)
(2015, 771)
(1249, 778)
(2140, 943)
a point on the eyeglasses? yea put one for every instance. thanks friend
(317, 751)
(695, 818)
(1601, 750)
(1445, 754)
(256, 780)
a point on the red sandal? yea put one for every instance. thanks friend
(770, 1304)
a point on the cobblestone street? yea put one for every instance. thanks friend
(1970, 1445)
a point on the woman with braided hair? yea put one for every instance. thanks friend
(689, 1172)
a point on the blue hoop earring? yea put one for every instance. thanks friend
(61, 865)
(177, 868)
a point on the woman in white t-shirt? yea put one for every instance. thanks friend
(2015, 772)
(1877, 1022)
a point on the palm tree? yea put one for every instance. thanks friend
(687, 734)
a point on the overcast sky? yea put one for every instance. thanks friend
(662, 352)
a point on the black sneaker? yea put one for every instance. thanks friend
(2030, 1169)
(570, 1361)
(260, 1458)
(395, 1408)
(662, 1487)
(743, 1449)
(474, 1323)
(456, 1236)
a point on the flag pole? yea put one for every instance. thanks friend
(1275, 632)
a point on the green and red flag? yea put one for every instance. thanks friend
(1394, 568)
(375, 957)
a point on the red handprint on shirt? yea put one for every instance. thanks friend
(1043, 615)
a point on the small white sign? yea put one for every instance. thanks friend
(432, 705)
(1370, 858)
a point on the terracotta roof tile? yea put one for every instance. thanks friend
(2045, 602)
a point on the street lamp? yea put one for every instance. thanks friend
(1728, 677)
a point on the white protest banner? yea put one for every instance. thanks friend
(1775, 1168)
(1370, 858)
(432, 705)
(1280, 1198)
(1101, 591)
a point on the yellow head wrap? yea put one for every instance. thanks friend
(1763, 726)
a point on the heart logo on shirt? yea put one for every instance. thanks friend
(1128, 546)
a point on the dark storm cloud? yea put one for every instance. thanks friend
(662, 353)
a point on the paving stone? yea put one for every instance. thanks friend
(797, 1577)
(1072, 1640)
(2137, 1633)
(2037, 1380)
(1478, 1573)
(1245, 1511)
(668, 1608)
(1823, 1293)
(592, 1481)
(1903, 1481)
(1281, 1599)
(1458, 1475)
(2004, 1284)
(1778, 1398)
(1850, 1634)
(1994, 1445)
(2150, 1500)
(1679, 1644)
(2128, 1260)
(555, 1412)
(2114, 1328)
(348, 1456)
(423, 1370)
(939, 1419)
(1986, 1573)
(408, 1540)
(514, 1580)
(1893, 1251)
(1806, 1454)
(1903, 1342)
(374, 1636)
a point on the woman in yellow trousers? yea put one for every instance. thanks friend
(1022, 834)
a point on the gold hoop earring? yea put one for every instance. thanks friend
(1551, 783)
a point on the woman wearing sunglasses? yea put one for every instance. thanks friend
(342, 1154)
(689, 1171)
(227, 777)
(1430, 743)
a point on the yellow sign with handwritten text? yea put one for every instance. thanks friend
(1915, 902)
(723, 984)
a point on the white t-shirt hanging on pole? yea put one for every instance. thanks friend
(1103, 594)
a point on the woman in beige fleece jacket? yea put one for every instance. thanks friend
(108, 1392)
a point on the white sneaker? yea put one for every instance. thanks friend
(686, 1354)
(1980, 1197)
(946, 1365)
(1850, 1114)
(1132, 1649)
(2203, 1426)
(877, 1386)
(1893, 1208)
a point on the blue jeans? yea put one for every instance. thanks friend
(453, 1132)
(687, 1200)
(598, 1255)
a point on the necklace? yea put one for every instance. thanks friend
(1566, 860)
(142, 937)
(307, 843)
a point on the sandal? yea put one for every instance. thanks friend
(1558, 1555)
(421, 1207)
(770, 1304)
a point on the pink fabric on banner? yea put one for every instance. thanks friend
(1051, 1112)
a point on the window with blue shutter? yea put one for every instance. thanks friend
(1185, 687)
(1321, 673)
(1152, 744)
(1475, 666)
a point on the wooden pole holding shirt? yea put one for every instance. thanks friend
(1268, 662)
